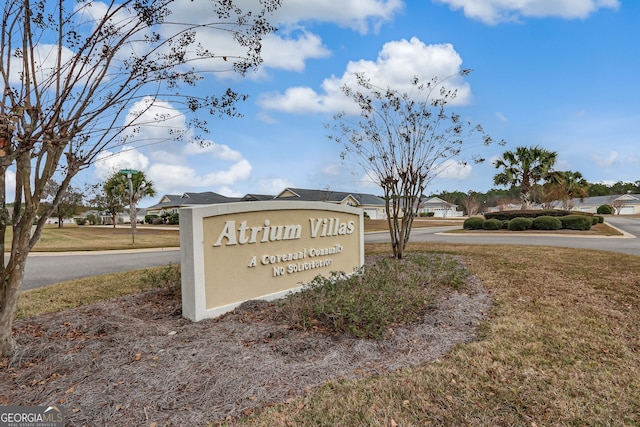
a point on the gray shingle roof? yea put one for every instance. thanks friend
(189, 199)
(331, 196)
(256, 197)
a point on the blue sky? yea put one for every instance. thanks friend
(561, 74)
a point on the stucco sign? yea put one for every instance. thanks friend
(235, 252)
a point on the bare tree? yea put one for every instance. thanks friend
(71, 73)
(617, 203)
(471, 203)
(402, 140)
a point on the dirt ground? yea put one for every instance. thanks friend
(134, 361)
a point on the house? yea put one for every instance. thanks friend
(256, 197)
(625, 204)
(171, 203)
(373, 206)
(440, 208)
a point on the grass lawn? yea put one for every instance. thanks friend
(92, 238)
(561, 348)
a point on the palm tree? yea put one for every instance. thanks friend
(132, 186)
(568, 185)
(525, 166)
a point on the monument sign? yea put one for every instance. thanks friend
(234, 252)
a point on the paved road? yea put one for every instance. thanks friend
(628, 244)
(45, 269)
(42, 270)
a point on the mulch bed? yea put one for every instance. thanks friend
(134, 361)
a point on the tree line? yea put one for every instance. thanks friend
(476, 201)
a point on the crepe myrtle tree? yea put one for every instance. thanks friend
(72, 71)
(402, 140)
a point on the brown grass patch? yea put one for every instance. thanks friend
(561, 348)
(371, 225)
(91, 238)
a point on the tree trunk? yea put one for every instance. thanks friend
(10, 292)
(12, 276)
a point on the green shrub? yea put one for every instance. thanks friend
(148, 219)
(387, 293)
(505, 224)
(474, 223)
(546, 223)
(595, 220)
(532, 213)
(427, 214)
(600, 219)
(93, 219)
(576, 222)
(492, 224)
(168, 277)
(520, 224)
(80, 221)
(174, 219)
(605, 210)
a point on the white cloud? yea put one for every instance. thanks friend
(291, 54)
(218, 151)
(333, 169)
(296, 45)
(369, 181)
(397, 63)
(356, 14)
(265, 117)
(46, 66)
(108, 162)
(495, 11)
(177, 178)
(605, 162)
(452, 169)
(10, 184)
(152, 120)
(501, 117)
(274, 186)
(563, 165)
(229, 192)
(239, 171)
(174, 167)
